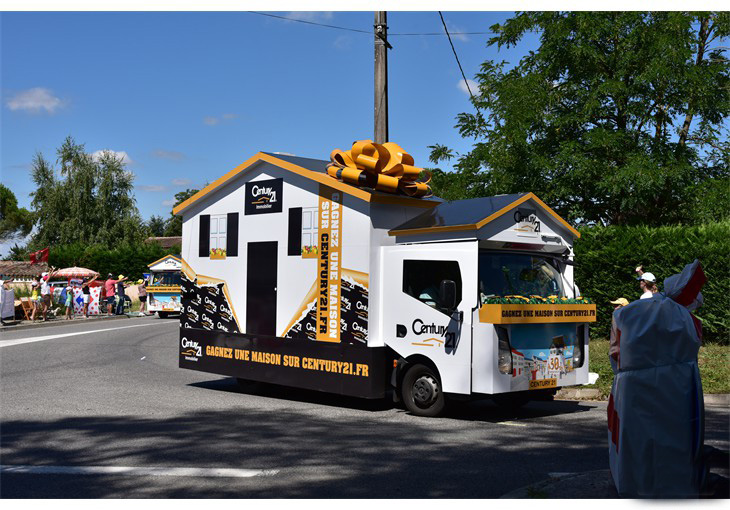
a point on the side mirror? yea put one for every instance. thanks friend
(448, 295)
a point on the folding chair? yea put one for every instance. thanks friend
(27, 306)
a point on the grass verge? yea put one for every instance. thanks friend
(714, 361)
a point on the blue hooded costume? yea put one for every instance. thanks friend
(656, 410)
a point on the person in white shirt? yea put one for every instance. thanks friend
(647, 283)
(46, 291)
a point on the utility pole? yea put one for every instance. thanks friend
(381, 77)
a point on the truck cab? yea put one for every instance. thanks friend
(163, 288)
(476, 307)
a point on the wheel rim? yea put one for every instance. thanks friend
(425, 391)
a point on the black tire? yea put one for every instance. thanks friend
(421, 391)
(162, 315)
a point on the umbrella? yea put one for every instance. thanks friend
(75, 272)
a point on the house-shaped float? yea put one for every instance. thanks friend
(278, 249)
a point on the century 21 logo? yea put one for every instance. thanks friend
(192, 348)
(419, 328)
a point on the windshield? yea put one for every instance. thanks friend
(509, 274)
(166, 279)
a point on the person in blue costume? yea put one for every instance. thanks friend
(656, 407)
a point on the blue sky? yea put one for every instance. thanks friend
(188, 96)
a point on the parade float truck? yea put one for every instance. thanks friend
(163, 287)
(345, 276)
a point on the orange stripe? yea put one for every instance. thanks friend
(309, 174)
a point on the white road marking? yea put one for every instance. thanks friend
(8, 343)
(512, 423)
(139, 471)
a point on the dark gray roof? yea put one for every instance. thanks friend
(460, 212)
(316, 165)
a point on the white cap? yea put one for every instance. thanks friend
(648, 277)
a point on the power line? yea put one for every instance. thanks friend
(457, 61)
(311, 22)
(357, 30)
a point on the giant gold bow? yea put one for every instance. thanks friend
(384, 167)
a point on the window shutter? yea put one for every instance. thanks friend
(204, 240)
(232, 235)
(295, 231)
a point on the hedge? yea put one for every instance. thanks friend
(607, 256)
(127, 259)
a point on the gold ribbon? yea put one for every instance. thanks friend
(384, 167)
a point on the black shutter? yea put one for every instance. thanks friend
(295, 231)
(232, 235)
(204, 240)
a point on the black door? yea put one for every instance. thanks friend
(261, 289)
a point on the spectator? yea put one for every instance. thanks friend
(647, 283)
(618, 303)
(120, 294)
(7, 301)
(69, 301)
(46, 300)
(109, 286)
(86, 291)
(35, 298)
(142, 291)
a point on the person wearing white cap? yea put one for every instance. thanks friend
(647, 283)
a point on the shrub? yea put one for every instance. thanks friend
(607, 256)
(128, 259)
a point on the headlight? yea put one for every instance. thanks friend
(504, 352)
(579, 349)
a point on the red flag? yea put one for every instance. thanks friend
(39, 256)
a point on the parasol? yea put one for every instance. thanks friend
(75, 272)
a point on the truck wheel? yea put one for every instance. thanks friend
(421, 392)
(162, 315)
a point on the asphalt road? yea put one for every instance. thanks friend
(109, 414)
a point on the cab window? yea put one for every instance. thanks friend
(422, 280)
(505, 274)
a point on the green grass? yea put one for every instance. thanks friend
(714, 361)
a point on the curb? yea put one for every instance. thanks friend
(711, 399)
(579, 394)
(61, 322)
(589, 485)
(718, 399)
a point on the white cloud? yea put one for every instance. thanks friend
(472, 84)
(316, 16)
(173, 155)
(181, 182)
(151, 187)
(453, 29)
(210, 120)
(168, 203)
(343, 42)
(96, 156)
(35, 100)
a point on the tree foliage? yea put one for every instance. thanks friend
(91, 200)
(617, 118)
(14, 221)
(173, 225)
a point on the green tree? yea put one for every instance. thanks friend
(617, 118)
(173, 226)
(156, 226)
(14, 221)
(92, 201)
